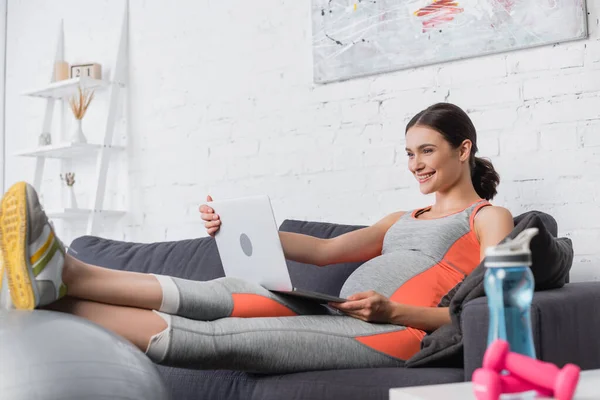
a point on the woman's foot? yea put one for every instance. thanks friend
(33, 256)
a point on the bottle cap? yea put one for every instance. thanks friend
(512, 253)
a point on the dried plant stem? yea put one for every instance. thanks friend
(80, 103)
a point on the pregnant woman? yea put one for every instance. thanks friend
(413, 260)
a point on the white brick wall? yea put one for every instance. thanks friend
(2, 85)
(221, 101)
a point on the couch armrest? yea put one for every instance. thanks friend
(565, 324)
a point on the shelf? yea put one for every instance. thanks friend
(80, 213)
(67, 87)
(65, 150)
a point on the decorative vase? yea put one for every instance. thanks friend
(71, 200)
(77, 135)
(45, 139)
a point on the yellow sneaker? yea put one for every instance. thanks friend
(33, 256)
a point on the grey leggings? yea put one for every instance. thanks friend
(228, 323)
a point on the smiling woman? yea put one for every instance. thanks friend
(441, 142)
(412, 262)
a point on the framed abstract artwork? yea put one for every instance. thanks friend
(354, 38)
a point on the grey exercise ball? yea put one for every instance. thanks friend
(50, 355)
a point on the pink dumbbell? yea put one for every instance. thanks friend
(546, 375)
(489, 385)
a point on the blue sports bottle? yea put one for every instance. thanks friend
(509, 285)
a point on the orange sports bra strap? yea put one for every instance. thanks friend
(478, 206)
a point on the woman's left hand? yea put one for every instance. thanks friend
(368, 306)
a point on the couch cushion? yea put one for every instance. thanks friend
(320, 279)
(198, 259)
(347, 384)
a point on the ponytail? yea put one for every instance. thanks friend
(484, 178)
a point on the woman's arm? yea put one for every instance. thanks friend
(359, 245)
(424, 318)
(492, 224)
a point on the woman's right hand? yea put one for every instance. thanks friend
(212, 222)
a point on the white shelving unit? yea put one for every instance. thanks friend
(64, 89)
(65, 150)
(61, 91)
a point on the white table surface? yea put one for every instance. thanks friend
(588, 388)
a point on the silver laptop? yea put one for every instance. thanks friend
(250, 249)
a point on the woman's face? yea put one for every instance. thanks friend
(432, 160)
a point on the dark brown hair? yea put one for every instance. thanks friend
(455, 126)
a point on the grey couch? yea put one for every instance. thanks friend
(565, 325)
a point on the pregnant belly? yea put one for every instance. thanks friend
(408, 277)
